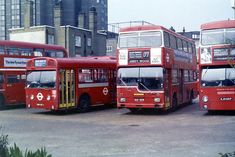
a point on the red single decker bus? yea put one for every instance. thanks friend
(61, 84)
(156, 68)
(13, 58)
(217, 66)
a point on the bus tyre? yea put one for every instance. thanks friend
(84, 103)
(2, 101)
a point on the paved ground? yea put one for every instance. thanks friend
(186, 132)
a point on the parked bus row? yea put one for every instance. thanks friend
(156, 68)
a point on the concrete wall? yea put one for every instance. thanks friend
(37, 34)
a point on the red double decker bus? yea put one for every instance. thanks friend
(217, 66)
(13, 58)
(156, 68)
(61, 84)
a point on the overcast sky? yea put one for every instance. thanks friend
(177, 13)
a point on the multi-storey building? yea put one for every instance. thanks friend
(12, 13)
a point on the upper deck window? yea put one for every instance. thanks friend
(140, 39)
(218, 36)
(54, 53)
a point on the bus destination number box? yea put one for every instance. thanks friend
(40, 63)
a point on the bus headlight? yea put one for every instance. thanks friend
(157, 99)
(48, 98)
(32, 97)
(205, 99)
(123, 100)
(205, 107)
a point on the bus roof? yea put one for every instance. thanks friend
(82, 62)
(28, 44)
(218, 25)
(152, 27)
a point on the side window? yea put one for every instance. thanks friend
(191, 75)
(49, 53)
(2, 50)
(12, 51)
(185, 45)
(13, 78)
(186, 75)
(179, 44)
(101, 75)
(25, 51)
(85, 76)
(194, 49)
(59, 54)
(173, 42)
(190, 49)
(174, 76)
(166, 39)
(1, 78)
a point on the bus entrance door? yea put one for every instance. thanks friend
(67, 89)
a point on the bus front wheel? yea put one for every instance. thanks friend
(84, 103)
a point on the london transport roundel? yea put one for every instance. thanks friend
(105, 91)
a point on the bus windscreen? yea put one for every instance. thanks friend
(41, 79)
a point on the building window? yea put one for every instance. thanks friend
(89, 42)
(109, 48)
(78, 41)
(51, 39)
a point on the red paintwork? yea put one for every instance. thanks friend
(215, 95)
(44, 103)
(218, 25)
(14, 93)
(95, 93)
(134, 101)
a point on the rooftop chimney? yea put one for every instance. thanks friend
(57, 14)
(28, 14)
(81, 20)
(93, 20)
